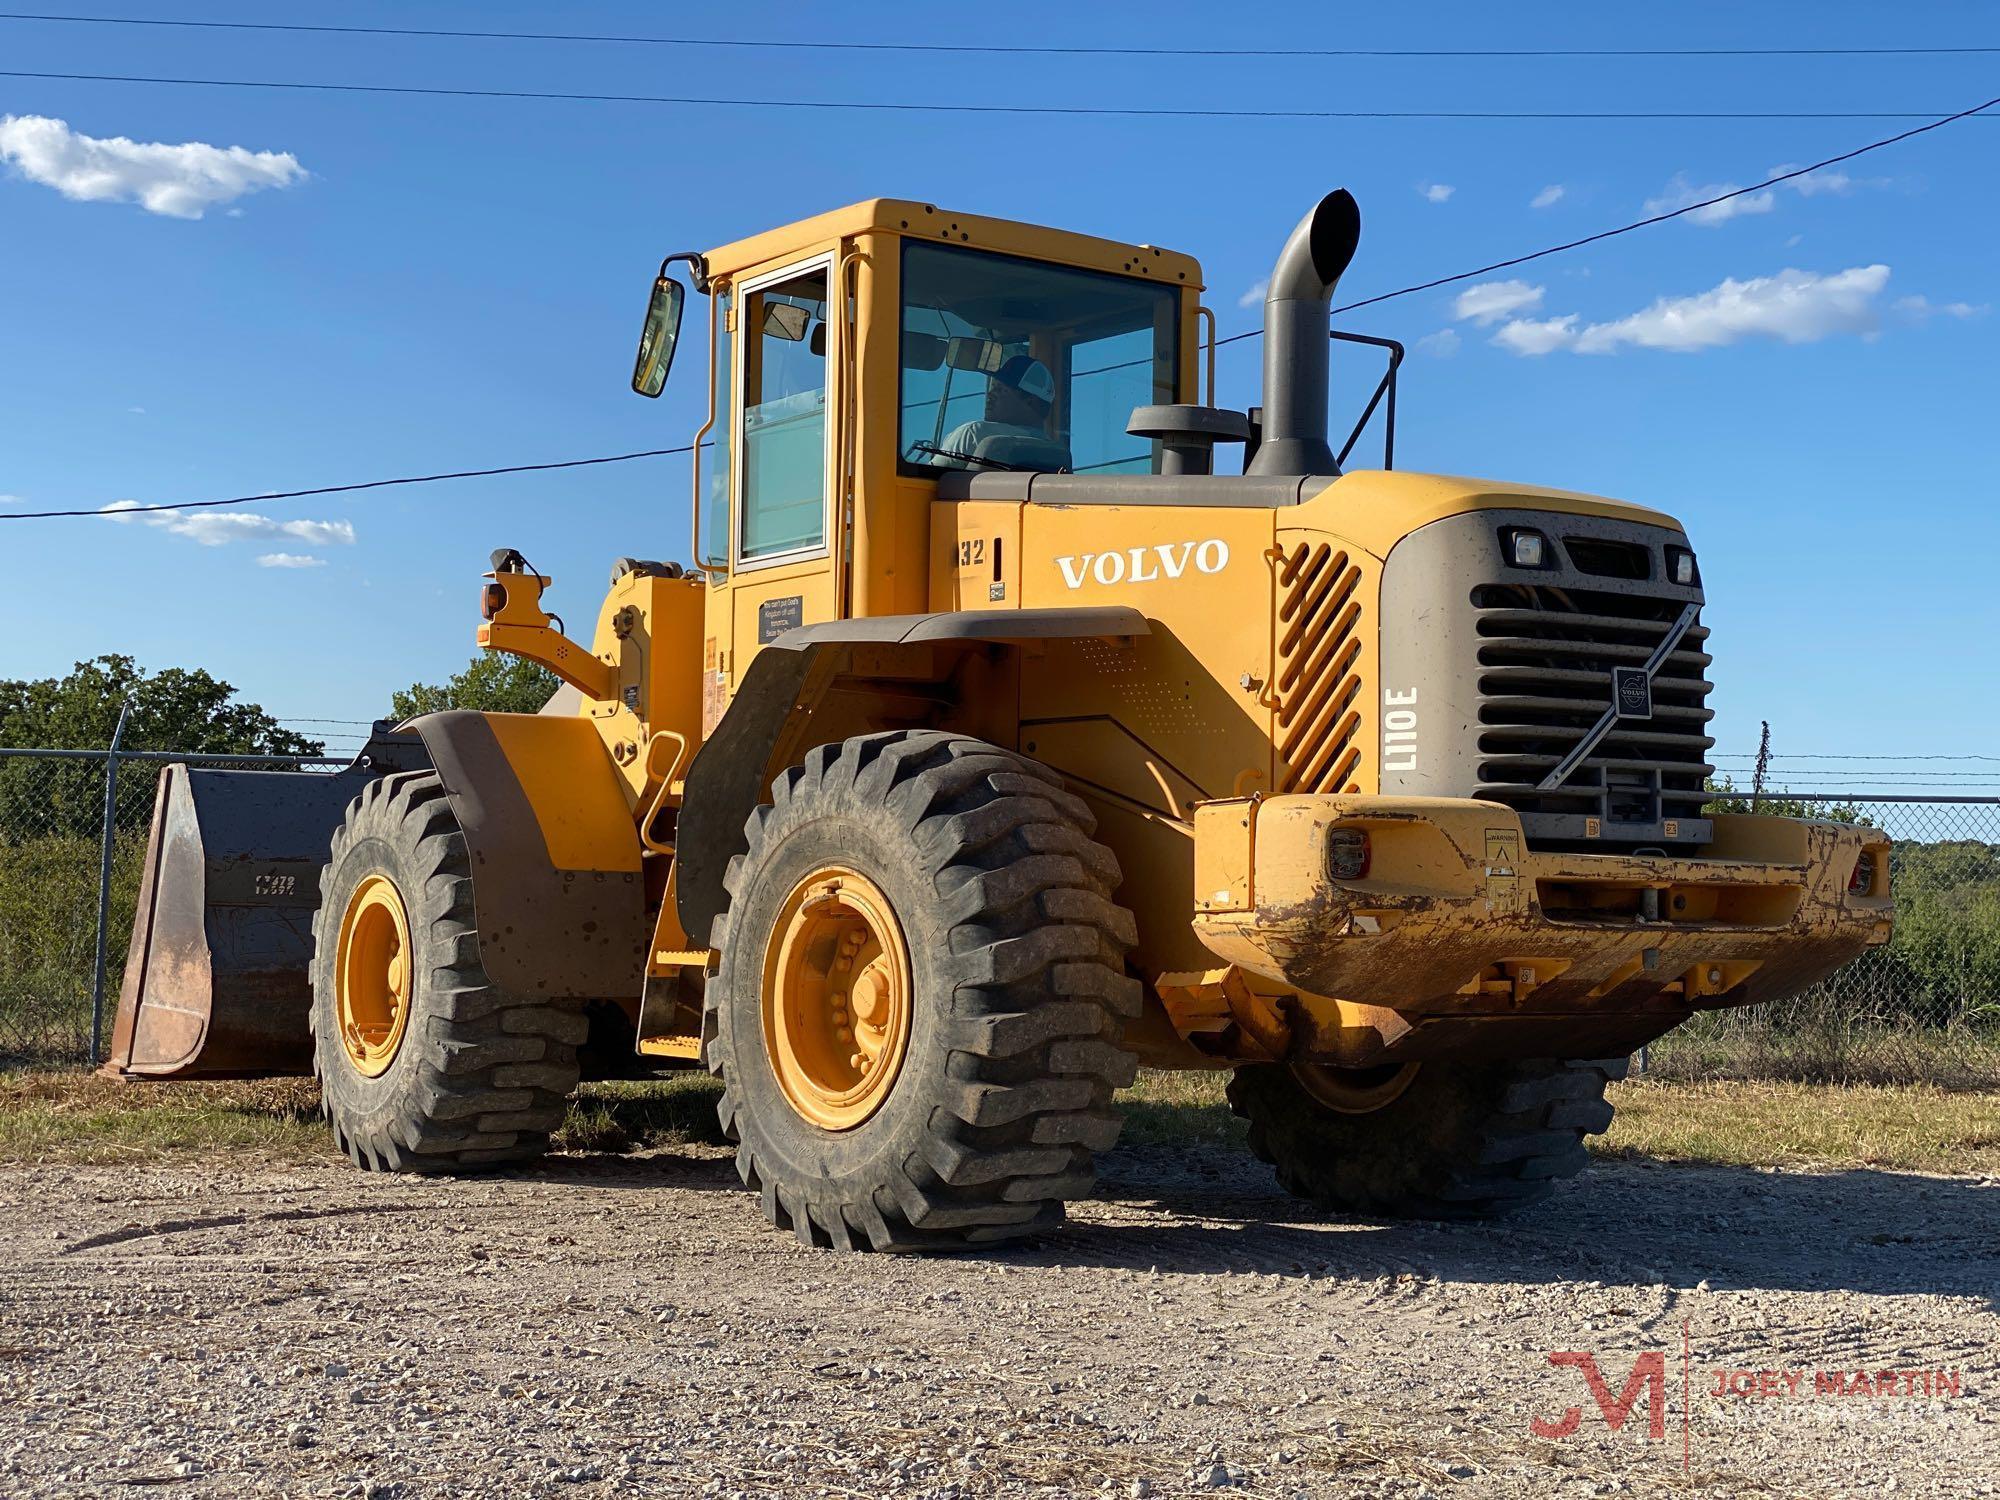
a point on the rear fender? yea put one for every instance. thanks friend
(557, 885)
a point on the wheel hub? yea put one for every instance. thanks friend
(372, 976)
(837, 998)
(1355, 1091)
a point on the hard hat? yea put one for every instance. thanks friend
(1028, 375)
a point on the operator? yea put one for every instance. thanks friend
(1018, 398)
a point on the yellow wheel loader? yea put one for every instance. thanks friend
(993, 746)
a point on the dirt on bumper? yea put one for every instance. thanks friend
(1457, 919)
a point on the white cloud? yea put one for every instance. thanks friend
(1921, 309)
(1490, 301)
(214, 528)
(1680, 193)
(1442, 344)
(1527, 337)
(1795, 307)
(1255, 295)
(1825, 180)
(290, 560)
(179, 181)
(1436, 192)
(1548, 197)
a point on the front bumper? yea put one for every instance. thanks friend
(1458, 921)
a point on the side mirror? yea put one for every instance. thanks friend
(656, 342)
(787, 321)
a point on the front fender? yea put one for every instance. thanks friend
(557, 887)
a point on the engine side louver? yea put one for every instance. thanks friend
(1317, 689)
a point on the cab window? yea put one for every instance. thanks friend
(784, 459)
(1016, 364)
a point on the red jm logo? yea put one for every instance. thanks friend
(1649, 1375)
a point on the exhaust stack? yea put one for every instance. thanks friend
(1298, 311)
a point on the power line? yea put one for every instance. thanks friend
(1249, 333)
(1809, 756)
(885, 106)
(1591, 239)
(1643, 223)
(342, 489)
(1006, 49)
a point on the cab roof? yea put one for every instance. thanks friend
(903, 216)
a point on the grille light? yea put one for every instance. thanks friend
(1681, 567)
(1525, 548)
(1347, 854)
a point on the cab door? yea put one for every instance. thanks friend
(783, 446)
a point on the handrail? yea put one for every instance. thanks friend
(845, 439)
(1208, 313)
(714, 299)
(1387, 385)
(659, 798)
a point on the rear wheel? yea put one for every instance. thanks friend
(423, 1065)
(1435, 1140)
(919, 1009)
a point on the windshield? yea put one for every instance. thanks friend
(1016, 364)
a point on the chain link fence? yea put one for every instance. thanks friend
(73, 826)
(1924, 1008)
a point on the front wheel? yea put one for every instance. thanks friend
(424, 1066)
(921, 998)
(1433, 1140)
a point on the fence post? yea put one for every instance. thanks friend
(104, 883)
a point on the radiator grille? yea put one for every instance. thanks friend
(1317, 688)
(1545, 658)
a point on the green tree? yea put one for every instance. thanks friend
(177, 709)
(1725, 798)
(1948, 928)
(493, 682)
(180, 708)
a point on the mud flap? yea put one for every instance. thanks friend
(218, 975)
(558, 888)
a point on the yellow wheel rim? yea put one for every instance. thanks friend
(372, 976)
(837, 998)
(1355, 1091)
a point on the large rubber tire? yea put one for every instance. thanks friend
(1019, 986)
(480, 1077)
(1463, 1141)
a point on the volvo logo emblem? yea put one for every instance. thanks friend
(1632, 692)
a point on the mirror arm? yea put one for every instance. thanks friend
(697, 265)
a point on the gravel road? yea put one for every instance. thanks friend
(626, 1325)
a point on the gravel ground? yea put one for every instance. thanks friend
(627, 1325)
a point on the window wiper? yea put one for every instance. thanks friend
(971, 458)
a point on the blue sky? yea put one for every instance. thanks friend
(436, 284)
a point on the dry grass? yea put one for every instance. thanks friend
(76, 1117)
(1914, 1127)
(1814, 1042)
(79, 1117)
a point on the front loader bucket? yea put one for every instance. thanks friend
(218, 976)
